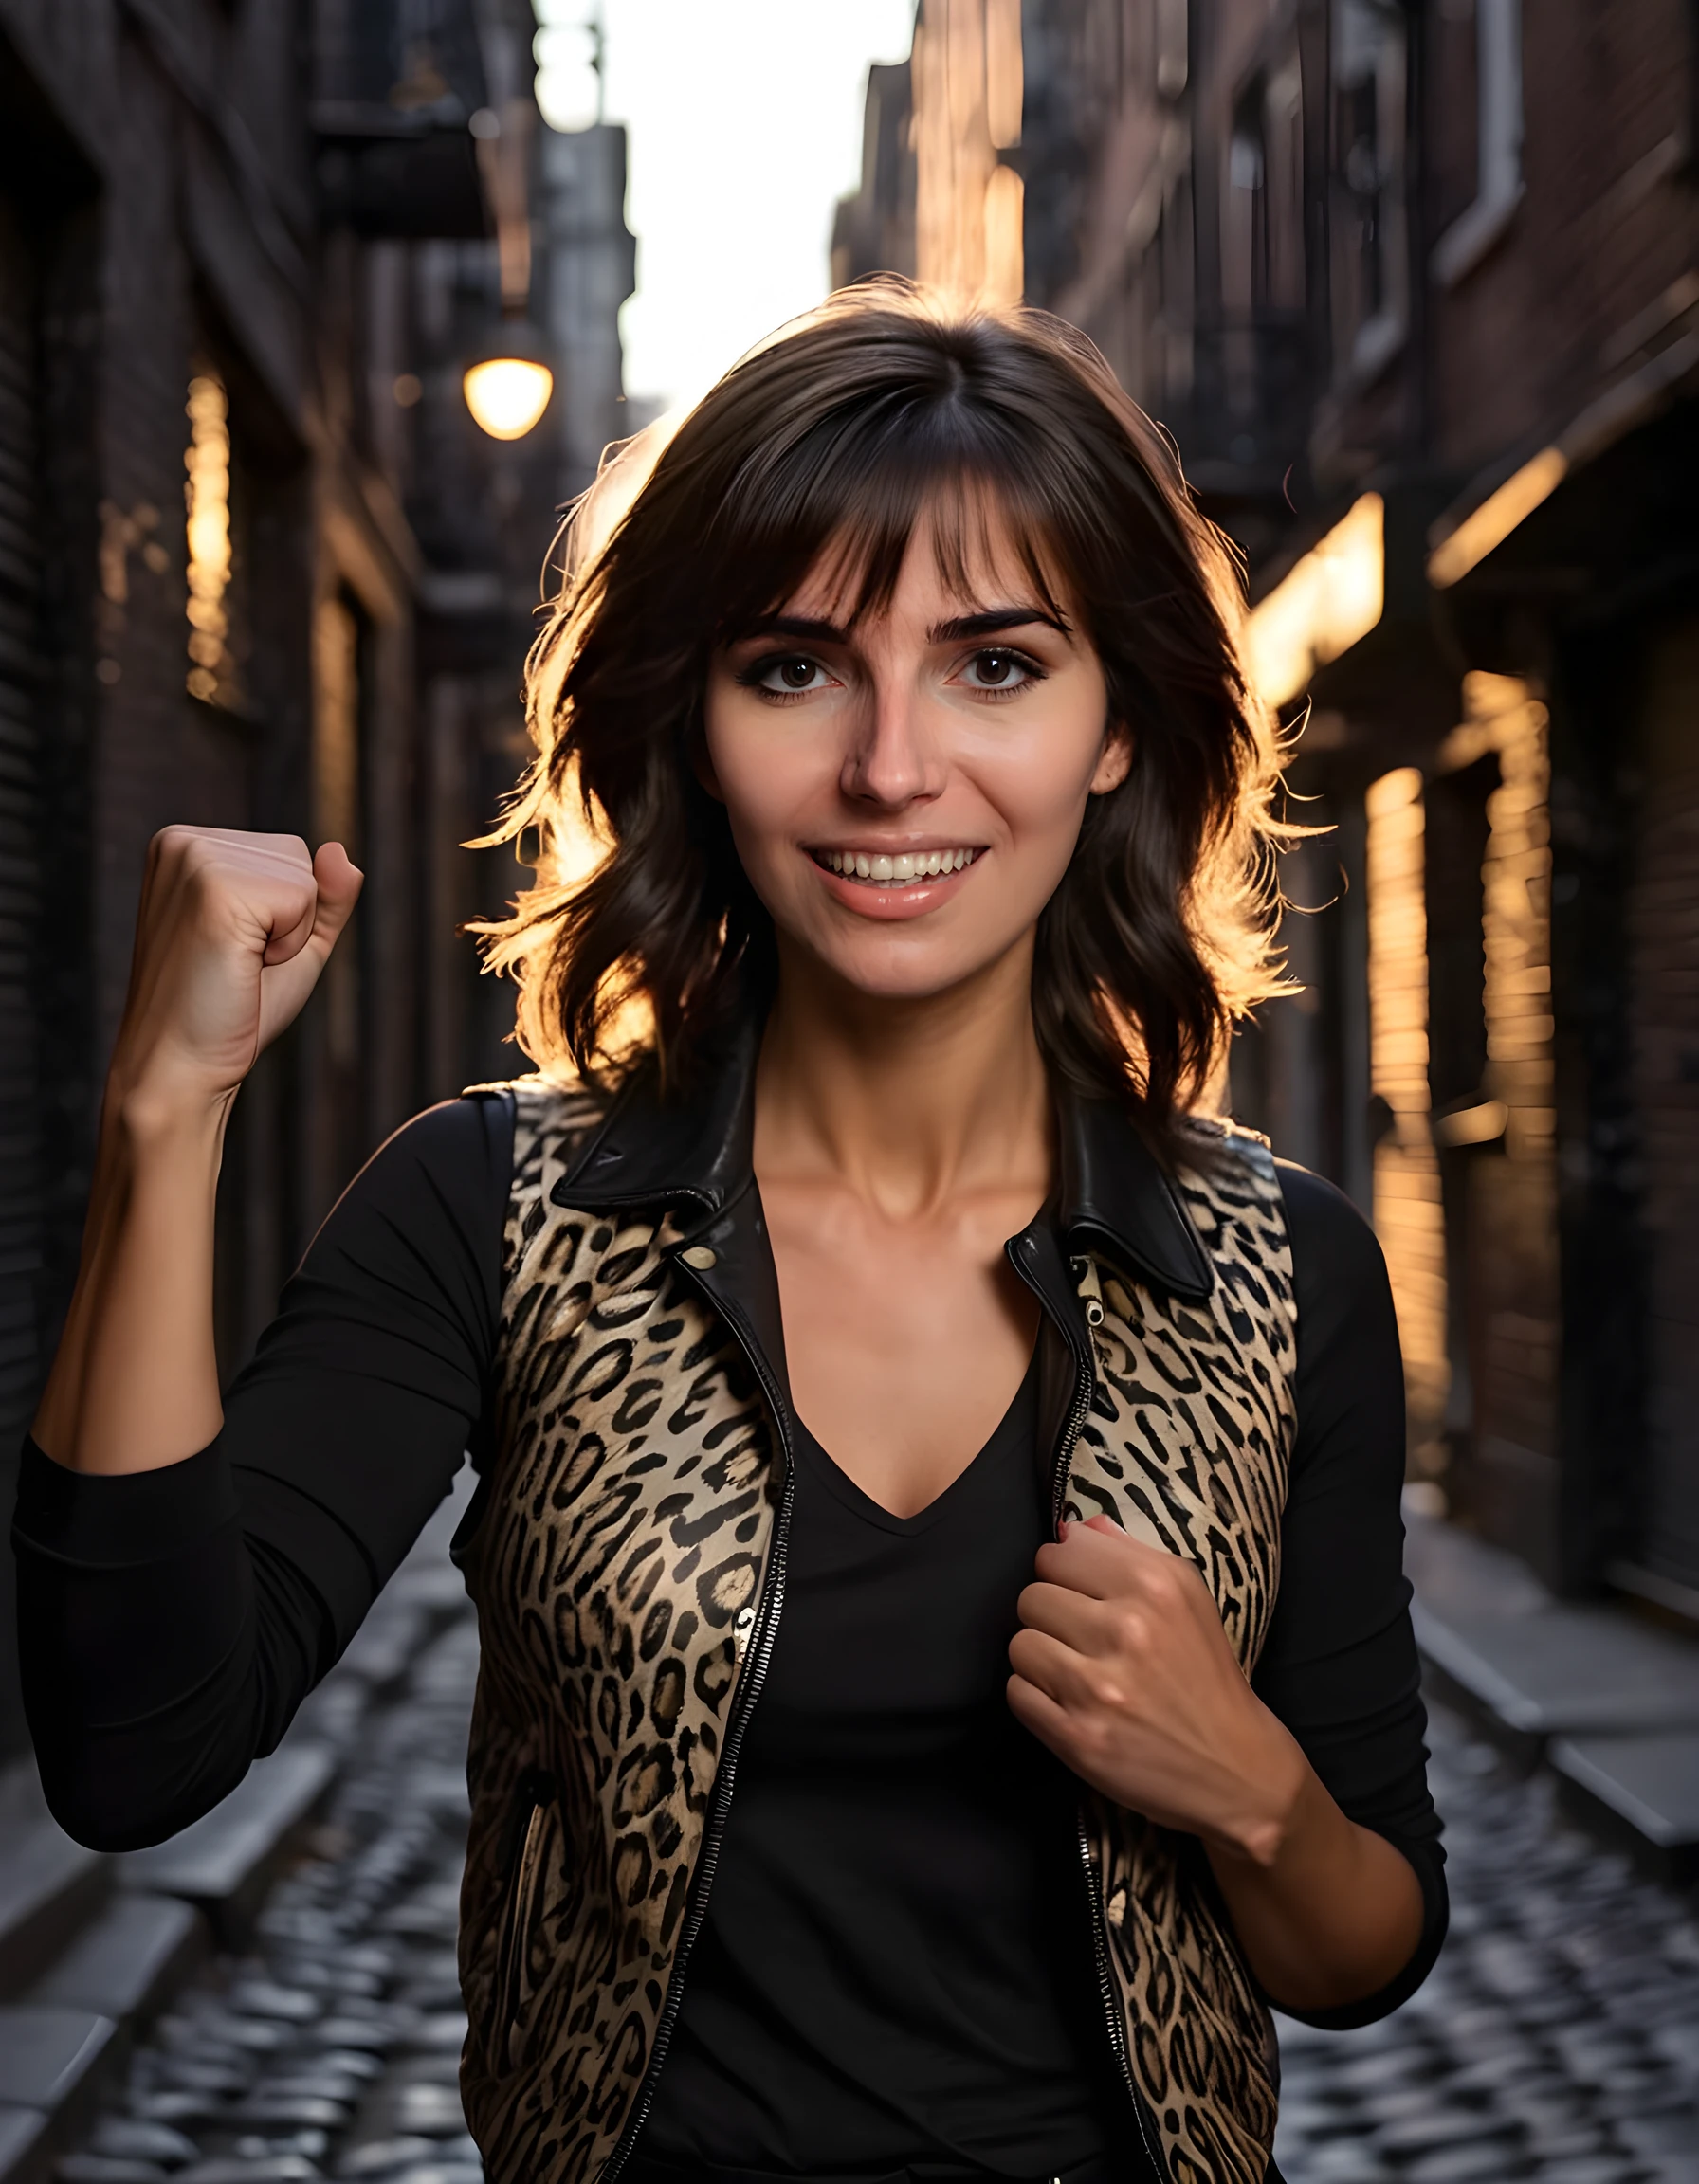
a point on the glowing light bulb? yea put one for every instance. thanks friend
(507, 394)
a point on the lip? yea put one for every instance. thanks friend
(893, 905)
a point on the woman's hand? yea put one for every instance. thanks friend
(231, 935)
(1124, 1671)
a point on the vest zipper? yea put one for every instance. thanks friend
(1115, 2017)
(511, 1959)
(761, 1648)
(758, 1647)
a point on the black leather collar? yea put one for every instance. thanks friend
(1116, 1194)
(652, 1153)
(1113, 1193)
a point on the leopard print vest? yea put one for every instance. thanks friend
(628, 1518)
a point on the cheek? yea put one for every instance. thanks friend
(1041, 783)
(767, 774)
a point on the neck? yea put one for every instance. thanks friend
(908, 1103)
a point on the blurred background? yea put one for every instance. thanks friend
(315, 313)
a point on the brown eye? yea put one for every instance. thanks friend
(790, 678)
(999, 670)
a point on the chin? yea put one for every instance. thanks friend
(906, 973)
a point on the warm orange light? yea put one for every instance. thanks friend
(1409, 1215)
(1005, 214)
(1332, 597)
(507, 394)
(1004, 73)
(1482, 1124)
(1493, 522)
(967, 71)
(1503, 711)
(207, 499)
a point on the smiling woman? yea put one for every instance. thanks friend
(945, 1660)
(768, 544)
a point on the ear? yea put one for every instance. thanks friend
(1114, 761)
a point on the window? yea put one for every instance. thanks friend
(1248, 177)
(1370, 259)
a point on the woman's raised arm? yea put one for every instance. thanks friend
(173, 1619)
(231, 935)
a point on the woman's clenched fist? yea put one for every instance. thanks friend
(231, 935)
(1124, 1670)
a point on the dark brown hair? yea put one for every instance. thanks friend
(834, 437)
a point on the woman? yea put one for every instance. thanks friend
(887, 1398)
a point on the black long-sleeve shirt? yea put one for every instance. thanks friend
(172, 1621)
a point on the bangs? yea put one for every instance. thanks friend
(844, 501)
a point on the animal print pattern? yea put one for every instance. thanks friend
(617, 1562)
(631, 1507)
(1187, 1445)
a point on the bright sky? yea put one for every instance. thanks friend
(744, 119)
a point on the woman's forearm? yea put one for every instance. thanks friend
(134, 1383)
(1332, 1916)
(232, 934)
(1123, 1669)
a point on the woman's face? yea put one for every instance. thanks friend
(906, 794)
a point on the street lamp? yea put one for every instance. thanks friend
(507, 387)
(508, 383)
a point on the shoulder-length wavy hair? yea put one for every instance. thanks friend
(835, 438)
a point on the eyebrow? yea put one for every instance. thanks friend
(802, 626)
(991, 622)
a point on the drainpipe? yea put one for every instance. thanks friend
(1498, 132)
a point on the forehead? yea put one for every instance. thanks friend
(964, 549)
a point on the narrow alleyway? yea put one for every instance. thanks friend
(1558, 2041)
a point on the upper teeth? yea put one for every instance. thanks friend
(921, 865)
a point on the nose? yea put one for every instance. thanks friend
(893, 760)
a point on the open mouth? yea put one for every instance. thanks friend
(908, 869)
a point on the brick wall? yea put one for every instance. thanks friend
(1606, 223)
(1509, 1485)
(1663, 924)
(1408, 1217)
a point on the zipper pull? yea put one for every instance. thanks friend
(1090, 1289)
(742, 1626)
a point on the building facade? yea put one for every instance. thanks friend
(1412, 284)
(258, 567)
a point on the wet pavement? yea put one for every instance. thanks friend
(1558, 2039)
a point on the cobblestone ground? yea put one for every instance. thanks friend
(1558, 2037)
(1558, 2040)
(334, 2050)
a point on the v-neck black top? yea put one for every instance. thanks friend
(895, 1966)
